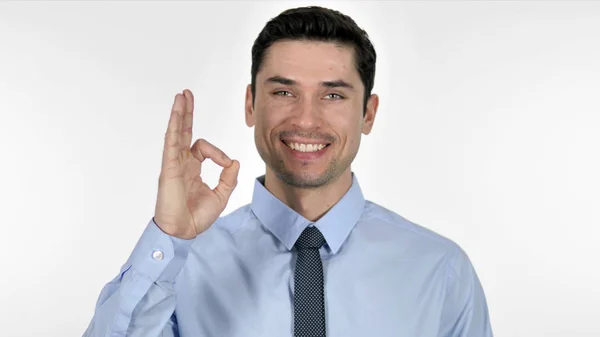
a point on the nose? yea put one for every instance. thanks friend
(308, 114)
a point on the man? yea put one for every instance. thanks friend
(309, 256)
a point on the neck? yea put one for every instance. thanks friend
(312, 203)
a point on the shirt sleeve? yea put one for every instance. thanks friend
(140, 300)
(465, 312)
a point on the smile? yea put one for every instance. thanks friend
(300, 147)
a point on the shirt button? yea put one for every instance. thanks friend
(158, 255)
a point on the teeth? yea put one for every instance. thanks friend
(306, 147)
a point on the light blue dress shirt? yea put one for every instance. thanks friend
(384, 276)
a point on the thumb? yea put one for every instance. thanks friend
(228, 181)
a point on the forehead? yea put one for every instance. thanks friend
(310, 61)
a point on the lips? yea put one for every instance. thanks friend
(306, 156)
(304, 141)
(300, 146)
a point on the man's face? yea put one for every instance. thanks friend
(308, 92)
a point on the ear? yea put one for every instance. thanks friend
(369, 118)
(250, 118)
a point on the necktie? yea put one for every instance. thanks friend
(309, 299)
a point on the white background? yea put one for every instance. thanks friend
(487, 133)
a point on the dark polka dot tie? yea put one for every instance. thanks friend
(309, 299)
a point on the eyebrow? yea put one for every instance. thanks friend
(328, 84)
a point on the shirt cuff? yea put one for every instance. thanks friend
(157, 255)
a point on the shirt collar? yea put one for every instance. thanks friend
(287, 225)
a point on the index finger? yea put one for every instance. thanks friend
(202, 149)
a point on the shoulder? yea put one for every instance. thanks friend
(224, 231)
(235, 220)
(416, 240)
(378, 218)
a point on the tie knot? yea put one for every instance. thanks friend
(311, 238)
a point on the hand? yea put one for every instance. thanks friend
(186, 206)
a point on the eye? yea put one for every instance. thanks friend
(334, 96)
(282, 93)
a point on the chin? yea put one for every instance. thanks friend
(304, 179)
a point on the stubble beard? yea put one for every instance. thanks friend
(334, 170)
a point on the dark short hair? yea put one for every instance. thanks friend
(316, 23)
